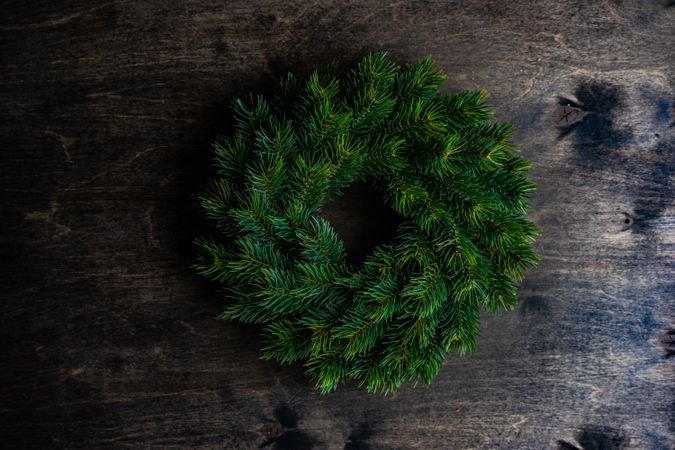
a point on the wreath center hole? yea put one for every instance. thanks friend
(361, 219)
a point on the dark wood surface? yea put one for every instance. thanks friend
(109, 338)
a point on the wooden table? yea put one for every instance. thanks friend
(109, 338)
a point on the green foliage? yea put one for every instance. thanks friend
(451, 174)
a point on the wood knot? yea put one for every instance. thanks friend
(667, 342)
(627, 221)
(568, 112)
(269, 429)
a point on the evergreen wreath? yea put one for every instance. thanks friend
(451, 175)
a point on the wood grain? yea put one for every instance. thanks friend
(108, 337)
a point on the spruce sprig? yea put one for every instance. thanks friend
(451, 174)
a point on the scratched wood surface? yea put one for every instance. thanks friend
(108, 339)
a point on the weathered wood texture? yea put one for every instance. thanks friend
(109, 339)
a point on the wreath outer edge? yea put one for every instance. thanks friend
(451, 174)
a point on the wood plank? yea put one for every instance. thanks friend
(109, 338)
